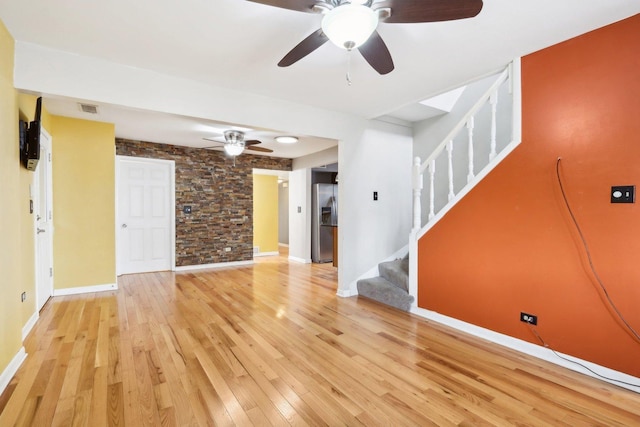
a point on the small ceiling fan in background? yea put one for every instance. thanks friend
(352, 24)
(234, 143)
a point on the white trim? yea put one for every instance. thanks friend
(30, 324)
(172, 195)
(35, 188)
(216, 265)
(531, 349)
(266, 253)
(286, 245)
(300, 260)
(11, 369)
(85, 289)
(342, 293)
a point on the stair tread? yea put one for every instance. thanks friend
(381, 290)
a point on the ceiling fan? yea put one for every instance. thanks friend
(352, 24)
(234, 143)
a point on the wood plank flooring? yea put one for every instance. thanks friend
(271, 344)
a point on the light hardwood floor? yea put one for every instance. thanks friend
(271, 344)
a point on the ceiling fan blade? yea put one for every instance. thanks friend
(304, 48)
(377, 54)
(212, 139)
(254, 148)
(252, 142)
(412, 11)
(299, 5)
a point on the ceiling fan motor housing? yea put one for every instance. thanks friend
(234, 136)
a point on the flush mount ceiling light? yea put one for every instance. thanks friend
(286, 139)
(349, 25)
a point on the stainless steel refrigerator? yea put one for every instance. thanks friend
(324, 208)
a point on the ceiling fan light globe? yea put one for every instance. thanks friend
(234, 149)
(350, 25)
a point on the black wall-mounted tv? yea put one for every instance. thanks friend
(30, 145)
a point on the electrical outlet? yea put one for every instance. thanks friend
(528, 318)
(227, 249)
(623, 194)
(23, 297)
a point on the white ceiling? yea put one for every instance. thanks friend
(236, 44)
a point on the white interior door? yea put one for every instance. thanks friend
(43, 209)
(145, 215)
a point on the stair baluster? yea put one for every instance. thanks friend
(451, 194)
(470, 125)
(417, 193)
(432, 195)
(493, 100)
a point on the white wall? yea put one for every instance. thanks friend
(300, 215)
(370, 231)
(372, 155)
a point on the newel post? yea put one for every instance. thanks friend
(417, 192)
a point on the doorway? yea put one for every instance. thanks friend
(42, 197)
(145, 224)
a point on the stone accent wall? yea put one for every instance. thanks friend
(220, 195)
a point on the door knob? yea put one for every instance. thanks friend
(124, 225)
(40, 230)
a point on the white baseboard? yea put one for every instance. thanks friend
(300, 260)
(532, 349)
(215, 265)
(346, 293)
(85, 289)
(266, 253)
(11, 369)
(30, 324)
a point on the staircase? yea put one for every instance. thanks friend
(464, 157)
(391, 287)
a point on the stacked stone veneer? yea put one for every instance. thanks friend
(220, 195)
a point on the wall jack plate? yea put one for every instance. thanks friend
(528, 318)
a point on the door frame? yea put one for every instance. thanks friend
(35, 197)
(172, 201)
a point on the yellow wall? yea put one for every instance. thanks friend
(265, 212)
(84, 206)
(12, 212)
(83, 203)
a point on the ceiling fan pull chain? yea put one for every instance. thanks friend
(349, 67)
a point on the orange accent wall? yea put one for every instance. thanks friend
(510, 245)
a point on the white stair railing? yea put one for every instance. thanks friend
(511, 77)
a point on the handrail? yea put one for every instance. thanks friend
(463, 122)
